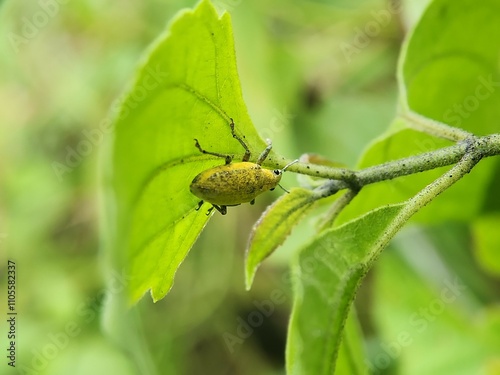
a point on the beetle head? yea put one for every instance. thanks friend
(279, 172)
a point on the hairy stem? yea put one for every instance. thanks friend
(336, 208)
(427, 194)
(345, 178)
(433, 127)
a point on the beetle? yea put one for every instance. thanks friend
(232, 184)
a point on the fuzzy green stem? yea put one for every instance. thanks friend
(337, 208)
(433, 127)
(344, 178)
(322, 171)
(427, 194)
(413, 164)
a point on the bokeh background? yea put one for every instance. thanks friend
(62, 65)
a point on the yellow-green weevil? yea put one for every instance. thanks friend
(232, 184)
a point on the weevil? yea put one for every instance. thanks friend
(232, 184)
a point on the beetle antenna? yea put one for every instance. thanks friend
(284, 168)
(283, 188)
(289, 164)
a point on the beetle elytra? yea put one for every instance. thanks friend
(232, 184)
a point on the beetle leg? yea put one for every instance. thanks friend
(252, 201)
(200, 203)
(228, 158)
(221, 209)
(246, 157)
(265, 153)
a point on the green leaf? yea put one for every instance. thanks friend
(449, 68)
(451, 75)
(351, 358)
(186, 88)
(329, 270)
(426, 306)
(462, 201)
(326, 276)
(274, 225)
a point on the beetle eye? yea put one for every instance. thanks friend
(277, 172)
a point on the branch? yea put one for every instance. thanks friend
(340, 178)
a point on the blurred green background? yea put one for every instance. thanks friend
(62, 65)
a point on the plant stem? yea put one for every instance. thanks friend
(322, 171)
(336, 208)
(345, 178)
(413, 164)
(427, 194)
(433, 127)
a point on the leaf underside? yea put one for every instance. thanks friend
(274, 226)
(186, 88)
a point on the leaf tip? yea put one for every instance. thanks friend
(249, 275)
(207, 6)
(159, 291)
